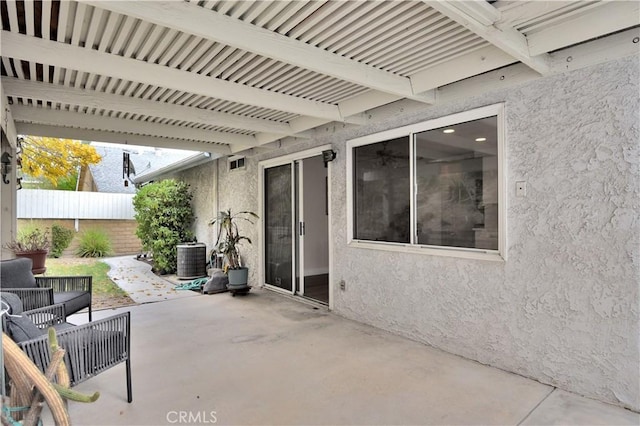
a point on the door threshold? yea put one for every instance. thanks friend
(298, 298)
(312, 301)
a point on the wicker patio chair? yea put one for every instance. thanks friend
(91, 348)
(38, 291)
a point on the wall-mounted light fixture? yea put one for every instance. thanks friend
(328, 156)
(5, 166)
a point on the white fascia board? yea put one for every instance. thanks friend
(63, 55)
(210, 25)
(607, 18)
(611, 48)
(187, 163)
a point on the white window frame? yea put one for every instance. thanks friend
(411, 130)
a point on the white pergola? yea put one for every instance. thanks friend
(227, 76)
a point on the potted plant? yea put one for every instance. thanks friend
(32, 242)
(228, 240)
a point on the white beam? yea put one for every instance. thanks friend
(474, 63)
(206, 23)
(477, 62)
(363, 102)
(351, 109)
(473, 15)
(47, 52)
(607, 49)
(479, 10)
(115, 137)
(608, 17)
(92, 99)
(95, 122)
(613, 47)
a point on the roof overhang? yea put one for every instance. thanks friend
(185, 164)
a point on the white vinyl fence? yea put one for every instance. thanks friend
(49, 204)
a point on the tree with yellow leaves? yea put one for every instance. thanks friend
(53, 158)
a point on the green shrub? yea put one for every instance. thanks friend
(164, 215)
(67, 183)
(94, 243)
(60, 239)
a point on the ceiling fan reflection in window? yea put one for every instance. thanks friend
(387, 157)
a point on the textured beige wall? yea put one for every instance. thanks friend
(202, 184)
(564, 307)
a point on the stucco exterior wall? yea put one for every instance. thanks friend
(202, 182)
(238, 191)
(564, 307)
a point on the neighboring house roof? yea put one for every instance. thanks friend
(108, 177)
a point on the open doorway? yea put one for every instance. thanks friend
(314, 230)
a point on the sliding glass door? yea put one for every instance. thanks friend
(279, 225)
(296, 233)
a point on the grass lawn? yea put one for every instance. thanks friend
(102, 285)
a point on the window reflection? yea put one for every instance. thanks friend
(457, 185)
(382, 194)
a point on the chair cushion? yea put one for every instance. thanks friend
(16, 273)
(63, 326)
(22, 328)
(13, 303)
(73, 300)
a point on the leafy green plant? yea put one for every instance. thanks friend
(164, 215)
(60, 239)
(31, 237)
(68, 183)
(229, 236)
(94, 242)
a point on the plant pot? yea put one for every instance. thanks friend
(38, 260)
(238, 278)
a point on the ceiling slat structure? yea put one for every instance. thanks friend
(227, 76)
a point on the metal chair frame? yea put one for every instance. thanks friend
(42, 295)
(91, 348)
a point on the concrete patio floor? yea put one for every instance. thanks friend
(266, 359)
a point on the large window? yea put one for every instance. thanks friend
(452, 164)
(382, 196)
